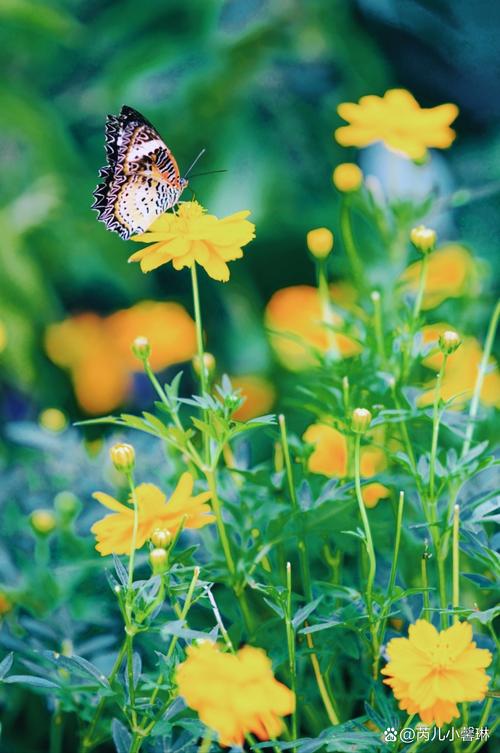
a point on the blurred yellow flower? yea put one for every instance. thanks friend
(5, 604)
(114, 532)
(330, 457)
(398, 121)
(295, 318)
(234, 694)
(190, 236)
(259, 394)
(320, 242)
(43, 521)
(347, 177)
(451, 273)
(461, 371)
(53, 419)
(430, 671)
(97, 350)
(3, 336)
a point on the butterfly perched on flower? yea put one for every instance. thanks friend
(141, 179)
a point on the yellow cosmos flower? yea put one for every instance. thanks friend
(295, 318)
(114, 532)
(451, 273)
(97, 350)
(191, 236)
(330, 458)
(259, 396)
(430, 671)
(399, 122)
(234, 694)
(461, 371)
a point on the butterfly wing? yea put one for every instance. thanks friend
(141, 179)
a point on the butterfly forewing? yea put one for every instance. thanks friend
(141, 179)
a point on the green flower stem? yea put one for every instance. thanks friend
(474, 406)
(350, 245)
(392, 579)
(173, 414)
(131, 561)
(426, 611)
(142, 732)
(369, 544)
(88, 742)
(417, 306)
(377, 326)
(456, 561)
(206, 743)
(323, 690)
(56, 729)
(226, 547)
(201, 353)
(326, 308)
(436, 419)
(290, 640)
(303, 558)
(129, 642)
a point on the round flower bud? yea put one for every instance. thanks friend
(361, 418)
(347, 177)
(320, 242)
(53, 419)
(141, 348)
(449, 342)
(66, 504)
(158, 559)
(122, 456)
(161, 538)
(423, 238)
(208, 362)
(43, 521)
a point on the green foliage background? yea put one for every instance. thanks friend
(257, 83)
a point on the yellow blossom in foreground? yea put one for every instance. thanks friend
(451, 273)
(347, 177)
(190, 236)
(330, 458)
(234, 694)
(259, 395)
(430, 671)
(97, 350)
(461, 371)
(114, 532)
(295, 318)
(398, 121)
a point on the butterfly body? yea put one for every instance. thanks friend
(141, 180)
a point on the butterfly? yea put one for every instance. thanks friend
(141, 179)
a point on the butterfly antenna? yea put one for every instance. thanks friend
(209, 172)
(200, 155)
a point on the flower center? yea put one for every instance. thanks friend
(189, 210)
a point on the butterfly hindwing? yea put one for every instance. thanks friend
(141, 179)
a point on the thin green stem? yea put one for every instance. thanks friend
(417, 306)
(326, 308)
(199, 328)
(369, 550)
(392, 576)
(221, 528)
(88, 742)
(130, 674)
(303, 559)
(131, 561)
(378, 328)
(426, 610)
(350, 245)
(435, 430)
(56, 729)
(290, 639)
(474, 406)
(456, 561)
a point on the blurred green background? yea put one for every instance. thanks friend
(257, 83)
